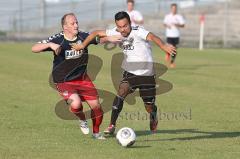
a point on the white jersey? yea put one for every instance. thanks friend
(171, 20)
(137, 51)
(135, 16)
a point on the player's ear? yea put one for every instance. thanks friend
(64, 26)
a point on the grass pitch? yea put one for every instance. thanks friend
(199, 116)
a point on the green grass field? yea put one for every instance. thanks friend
(201, 111)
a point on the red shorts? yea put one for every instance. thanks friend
(83, 86)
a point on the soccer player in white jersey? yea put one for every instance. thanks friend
(135, 16)
(172, 23)
(137, 66)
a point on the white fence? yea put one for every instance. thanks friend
(222, 22)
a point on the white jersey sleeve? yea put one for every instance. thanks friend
(142, 33)
(165, 21)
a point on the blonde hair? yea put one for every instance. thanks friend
(63, 20)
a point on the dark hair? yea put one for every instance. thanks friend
(63, 20)
(174, 4)
(122, 15)
(130, 1)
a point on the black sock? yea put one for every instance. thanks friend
(116, 109)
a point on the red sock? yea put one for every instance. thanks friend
(78, 112)
(97, 117)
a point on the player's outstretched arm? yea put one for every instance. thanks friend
(112, 39)
(165, 47)
(103, 39)
(86, 42)
(40, 47)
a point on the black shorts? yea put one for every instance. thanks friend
(173, 41)
(145, 84)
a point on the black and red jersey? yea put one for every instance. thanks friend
(68, 64)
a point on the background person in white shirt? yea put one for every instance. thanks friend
(173, 22)
(135, 16)
(137, 65)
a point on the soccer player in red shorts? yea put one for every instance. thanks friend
(70, 72)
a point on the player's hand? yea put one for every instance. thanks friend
(170, 49)
(77, 47)
(114, 38)
(56, 48)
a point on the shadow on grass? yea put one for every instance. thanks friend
(133, 147)
(200, 135)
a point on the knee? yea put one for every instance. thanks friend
(149, 103)
(94, 104)
(149, 100)
(123, 90)
(74, 102)
(122, 93)
(150, 108)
